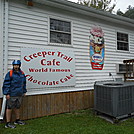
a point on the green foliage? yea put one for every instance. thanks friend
(99, 4)
(129, 13)
(77, 122)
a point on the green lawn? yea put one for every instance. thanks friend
(78, 122)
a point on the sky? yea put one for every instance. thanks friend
(120, 4)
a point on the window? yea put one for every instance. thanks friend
(60, 31)
(122, 41)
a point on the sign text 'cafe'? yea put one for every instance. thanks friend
(48, 68)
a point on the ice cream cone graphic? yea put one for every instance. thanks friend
(97, 48)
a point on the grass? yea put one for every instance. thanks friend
(77, 122)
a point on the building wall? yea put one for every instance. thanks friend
(25, 26)
(49, 104)
(29, 27)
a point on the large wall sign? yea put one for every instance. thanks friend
(97, 48)
(48, 67)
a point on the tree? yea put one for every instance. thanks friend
(129, 13)
(99, 4)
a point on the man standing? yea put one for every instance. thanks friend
(14, 87)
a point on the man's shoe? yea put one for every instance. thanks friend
(9, 125)
(19, 122)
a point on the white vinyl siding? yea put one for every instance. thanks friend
(29, 27)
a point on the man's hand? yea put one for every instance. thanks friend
(24, 94)
(7, 97)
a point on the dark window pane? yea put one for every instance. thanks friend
(60, 25)
(60, 38)
(122, 46)
(122, 37)
(122, 41)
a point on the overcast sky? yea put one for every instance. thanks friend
(120, 4)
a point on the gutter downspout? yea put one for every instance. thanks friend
(5, 56)
(1, 43)
(6, 39)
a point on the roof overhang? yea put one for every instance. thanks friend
(87, 11)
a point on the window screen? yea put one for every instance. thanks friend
(60, 31)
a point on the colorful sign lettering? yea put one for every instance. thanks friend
(48, 67)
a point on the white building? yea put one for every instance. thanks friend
(61, 26)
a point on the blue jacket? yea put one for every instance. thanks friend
(14, 85)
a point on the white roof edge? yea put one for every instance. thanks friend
(88, 11)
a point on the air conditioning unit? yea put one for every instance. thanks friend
(115, 99)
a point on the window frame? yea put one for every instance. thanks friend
(49, 30)
(128, 42)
